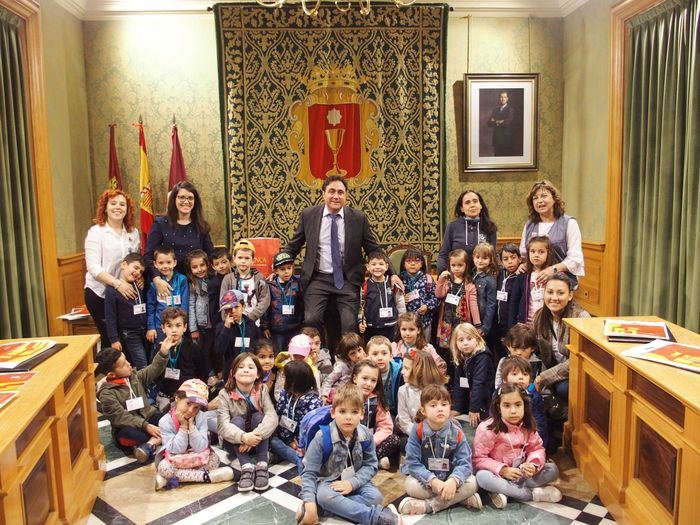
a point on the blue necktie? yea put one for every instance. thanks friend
(336, 260)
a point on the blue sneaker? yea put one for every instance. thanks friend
(144, 453)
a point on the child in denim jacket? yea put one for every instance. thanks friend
(346, 470)
(438, 460)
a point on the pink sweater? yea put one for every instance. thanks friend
(491, 451)
(384, 425)
(399, 349)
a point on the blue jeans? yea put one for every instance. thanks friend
(361, 506)
(286, 452)
(134, 341)
(521, 491)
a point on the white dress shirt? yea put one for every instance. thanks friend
(325, 262)
(104, 251)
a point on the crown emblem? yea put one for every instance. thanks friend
(335, 77)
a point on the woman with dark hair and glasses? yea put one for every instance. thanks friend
(471, 226)
(183, 227)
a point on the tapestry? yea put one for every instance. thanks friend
(359, 96)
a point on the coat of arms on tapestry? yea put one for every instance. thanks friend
(337, 94)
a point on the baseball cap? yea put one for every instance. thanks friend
(281, 259)
(196, 391)
(231, 299)
(300, 345)
(244, 244)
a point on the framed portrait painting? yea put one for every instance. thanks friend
(500, 122)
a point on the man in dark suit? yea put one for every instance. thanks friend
(502, 123)
(333, 266)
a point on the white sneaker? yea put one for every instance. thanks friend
(399, 520)
(473, 502)
(499, 500)
(384, 463)
(413, 506)
(160, 481)
(548, 493)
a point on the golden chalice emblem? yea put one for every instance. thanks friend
(334, 138)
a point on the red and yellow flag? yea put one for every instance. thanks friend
(145, 190)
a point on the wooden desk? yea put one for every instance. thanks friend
(51, 459)
(634, 427)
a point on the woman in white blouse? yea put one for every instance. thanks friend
(107, 243)
(547, 217)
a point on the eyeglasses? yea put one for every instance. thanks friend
(184, 198)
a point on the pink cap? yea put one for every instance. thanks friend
(300, 345)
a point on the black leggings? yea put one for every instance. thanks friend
(96, 306)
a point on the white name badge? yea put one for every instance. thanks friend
(287, 309)
(386, 312)
(537, 294)
(463, 382)
(176, 299)
(347, 474)
(412, 296)
(452, 299)
(172, 373)
(501, 295)
(288, 423)
(242, 341)
(439, 464)
(519, 460)
(135, 403)
(139, 309)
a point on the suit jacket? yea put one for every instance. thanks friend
(358, 236)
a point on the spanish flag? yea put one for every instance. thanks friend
(145, 190)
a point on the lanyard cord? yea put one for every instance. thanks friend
(294, 408)
(384, 304)
(128, 383)
(242, 325)
(172, 361)
(284, 294)
(444, 447)
(138, 294)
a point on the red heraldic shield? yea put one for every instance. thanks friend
(344, 117)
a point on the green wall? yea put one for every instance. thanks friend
(157, 66)
(66, 107)
(586, 55)
(505, 45)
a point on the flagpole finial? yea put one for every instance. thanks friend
(140, 119)
(174, 119)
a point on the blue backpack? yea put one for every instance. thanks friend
(320, 419)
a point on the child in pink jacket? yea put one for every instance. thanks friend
(508, 455)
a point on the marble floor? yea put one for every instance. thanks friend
(127, 497)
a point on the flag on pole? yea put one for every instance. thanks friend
(145, 189)
(177, 163)
(114, 178)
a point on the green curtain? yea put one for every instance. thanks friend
(22, 305)
(660, 272)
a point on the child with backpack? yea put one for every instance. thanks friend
(246, 420)
(339, 463)
(438, 460)
(367, 375)
(298, 398)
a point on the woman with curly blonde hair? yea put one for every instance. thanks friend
(111, 239)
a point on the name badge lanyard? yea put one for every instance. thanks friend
(503, 289)
(247, 399)
(242, 325)
(294, 409)
(466, 231)
(384, 304)
(131, 390)
(522, 452)
(444, 447)
(172, 361)
(284, 295)
(460, 289)
(138, 294)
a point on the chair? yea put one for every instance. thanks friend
(396, 253)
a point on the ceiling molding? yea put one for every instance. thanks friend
(118, 9)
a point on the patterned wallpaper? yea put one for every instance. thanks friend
(160, 65)
(157, 66)
(505, 45)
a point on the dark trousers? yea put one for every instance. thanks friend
(96, 306)
(387, 331)
(317, 295)
(135, 344)
(132, 436)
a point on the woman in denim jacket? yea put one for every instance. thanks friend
(347, 469)
(438, 460)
